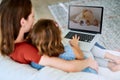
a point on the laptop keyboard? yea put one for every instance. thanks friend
(83, 37)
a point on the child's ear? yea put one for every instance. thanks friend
(22, 22)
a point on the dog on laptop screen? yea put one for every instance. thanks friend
(86, 18)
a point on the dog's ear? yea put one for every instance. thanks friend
(96, 22)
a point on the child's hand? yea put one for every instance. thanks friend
(75, 47)
(74, 41)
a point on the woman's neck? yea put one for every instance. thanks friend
(20, 38)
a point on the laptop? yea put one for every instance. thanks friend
(86, 22)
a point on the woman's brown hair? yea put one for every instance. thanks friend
(46, 36)
(12, 11)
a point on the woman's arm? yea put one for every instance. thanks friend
(68, 66)
(77, 51)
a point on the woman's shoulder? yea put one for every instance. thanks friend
(24, 45)
(25, 48)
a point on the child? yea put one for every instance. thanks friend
(46, 36)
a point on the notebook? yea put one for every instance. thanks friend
(86, 22)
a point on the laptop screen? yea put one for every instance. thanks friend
(85, 18)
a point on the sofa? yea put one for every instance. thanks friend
(11, 70)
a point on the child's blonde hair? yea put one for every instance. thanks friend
(46, 36)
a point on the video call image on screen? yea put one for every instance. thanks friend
(85, 18)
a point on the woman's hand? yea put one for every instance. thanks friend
(93, 64)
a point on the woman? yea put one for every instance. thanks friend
(17, 17)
